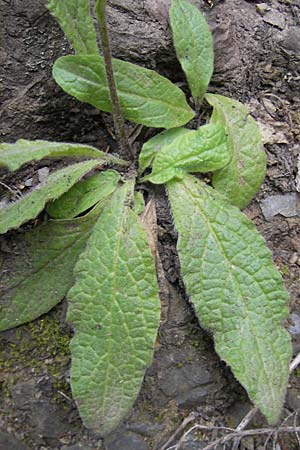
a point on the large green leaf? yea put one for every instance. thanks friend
(145, 97)
(204, 150)
(77, 24)
(15, 155)
(31, 204)
(194, 46)
(237, 292)
(240, 180)
(155, 144)
(37, 267)
(83, 195)
(114, 307)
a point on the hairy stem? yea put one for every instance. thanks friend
(119, 124)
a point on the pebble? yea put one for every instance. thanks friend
(262, 8)
(274, 18)
(294, 327)
(43, 174)
(288, 205)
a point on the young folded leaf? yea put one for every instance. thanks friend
(155, 144)
(83, 195)
(145, 96)
(43, 256)
(30, 205)
(240, 180)
(203, 150)
(14, 156)
(115, 309)
(237, 292)
(194, 46)
(77, 24)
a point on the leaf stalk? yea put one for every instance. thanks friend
(118, 119)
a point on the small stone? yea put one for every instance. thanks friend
(275, 18)
(294, 324)
(293, 259)
(287, 205)
(262, 8)
(29, 182)
(291, 39)
(43, 174)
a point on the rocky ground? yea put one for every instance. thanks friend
(257, 49)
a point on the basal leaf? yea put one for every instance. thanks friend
(240, 180)
(237, 292)
(203, 150)
(145, 97)
(155, 144)
(15, 155)
(37, 267)
(31, 204)
(114, 307)
(83, 195)
(77, 24)
(194, 46)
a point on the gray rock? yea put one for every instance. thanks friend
(126, 441)
(291, 39)
(43, 174)
(8, 442)
(294, 325)
(181, 381)
(293, 399)
(288, 205)
(275, 18)
(193, 397)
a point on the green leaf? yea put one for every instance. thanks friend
(114, 307)
(204, 150)
(83, 195)
(242, 178)
(139, 203)
(155, 144)
(194, 46)
(13, 156)
(237, 292)
(145, 97)
(37, 267)
(77, 24)
(29, 206)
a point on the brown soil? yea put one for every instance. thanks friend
(257, 62)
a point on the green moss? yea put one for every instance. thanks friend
(39, 347)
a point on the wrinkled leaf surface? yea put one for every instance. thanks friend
(204, 150)
(194, 46)
(115, 309)
(237, 292)
(241, 179)
(15, 155)
(155, 144)
(30, 205)
(145, 97)
(37, 267)
(83, 195)
(77, 24)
